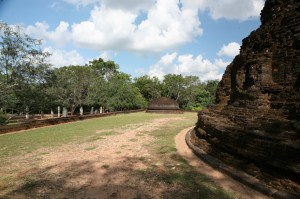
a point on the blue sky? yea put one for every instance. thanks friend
(153, 37)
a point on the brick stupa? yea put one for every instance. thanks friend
(257, 115)
(163, 105)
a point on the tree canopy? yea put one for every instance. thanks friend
(28, 80)
(23, 68)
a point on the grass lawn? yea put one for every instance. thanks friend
(149, 138)
(30, 140)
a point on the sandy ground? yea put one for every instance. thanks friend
(221, 179)
(109, 164)
(102, 166)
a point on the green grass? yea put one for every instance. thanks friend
(93, 138)
(133, 140)
(57, 135)
(29, 185)
(172, 170)
(109, 133)
(90, 148)
(166, 149)
(180, 174)
(142, 158)
(105, 166)
(164, 137)
(194, 181)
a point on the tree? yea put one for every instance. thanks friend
(20, 55)
(121, 94)
(41, 93)
(104, 69)
(189, 91)
(102, 74)
(8, 99)
(22, 63)
(204, 95)
(211, 87)
(72, 85)
(149, 87)
(192, 86)
(26, 79)
(3, 118)
(173, 86)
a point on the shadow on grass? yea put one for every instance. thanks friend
(90, 179)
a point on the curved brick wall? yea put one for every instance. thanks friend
(257, 115)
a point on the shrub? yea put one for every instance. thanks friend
(2, 118)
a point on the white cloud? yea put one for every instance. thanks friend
(61, 58)
(60, 36)
(115, 4)
(55, 4)
(107, 29)
(120, 25)
(168, 58)
(163, 25)
(166, 26)
(231, 50)
(107, 55)
(230, 9)
(188, 65)
(147, 26)
(221, 64)
(79, 3)
(129, 4)
(162, 67)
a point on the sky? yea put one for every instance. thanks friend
(144, 37)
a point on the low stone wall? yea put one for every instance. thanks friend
(53, 121)
(166, 111)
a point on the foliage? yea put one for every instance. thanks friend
(115, 91)
(71, 86)
(22, 66)
(104, 69)
(2, 118)
(27, 80)
(211, 87)
(188, 91)
(149, 87)
(122, 94)
(173, 86)
(21, 56)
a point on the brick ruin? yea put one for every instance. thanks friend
(257, 115)
(164, 105)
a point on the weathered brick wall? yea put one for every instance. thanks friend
(258, 110)
(53, 121)
(163, 103)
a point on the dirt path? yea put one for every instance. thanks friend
(109, 164)
(221, 179)
(115, 163)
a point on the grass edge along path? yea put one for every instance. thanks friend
(173, 170)
(19, 143)
(185, 181)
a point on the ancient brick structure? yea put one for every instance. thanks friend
(163, 104)
(257, 115)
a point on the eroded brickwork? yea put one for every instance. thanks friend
(257, 115)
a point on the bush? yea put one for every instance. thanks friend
(2, 118)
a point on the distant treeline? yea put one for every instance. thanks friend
(27, 80)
